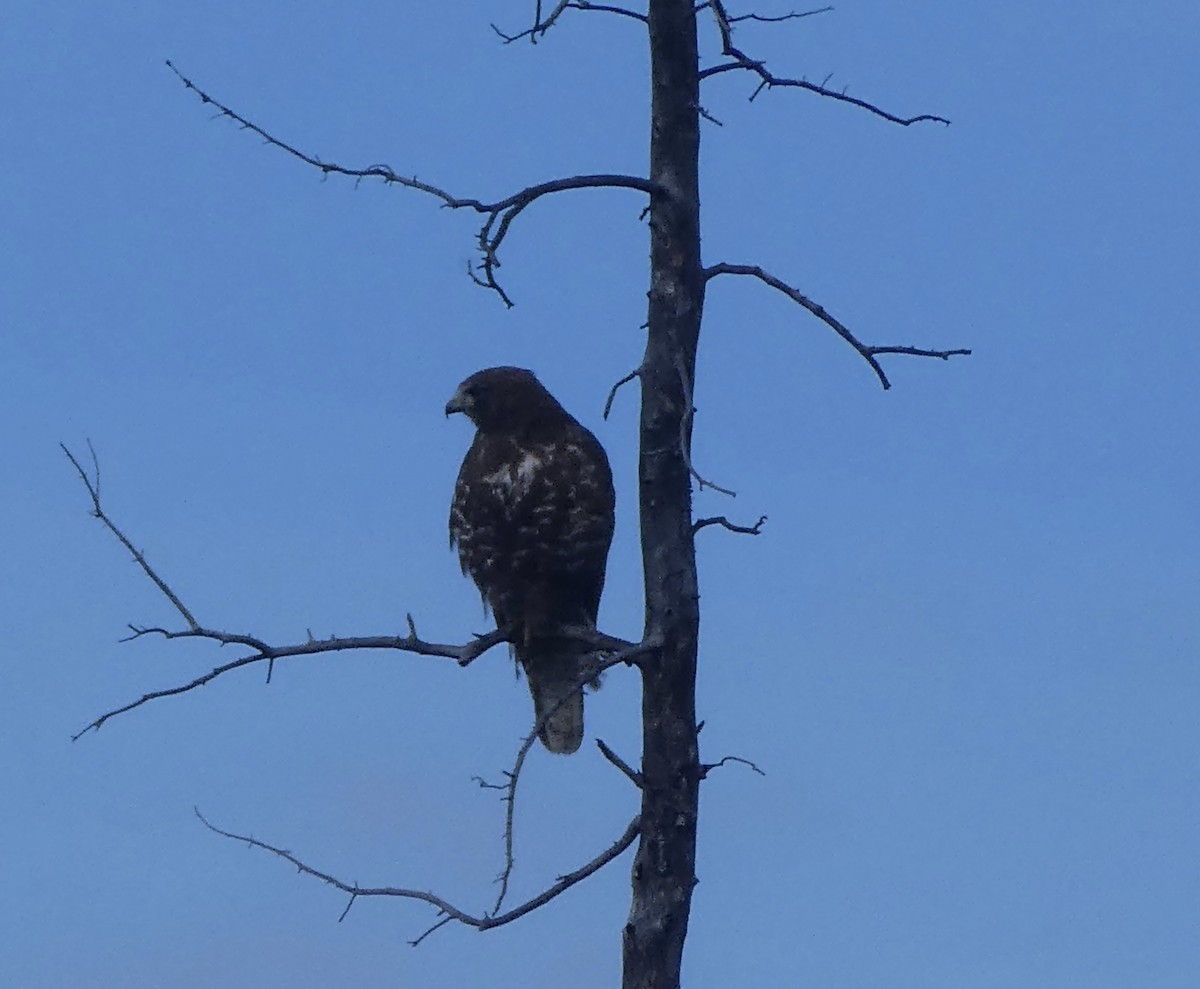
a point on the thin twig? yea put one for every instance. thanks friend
(633, 775)
(499, 215)
(636, 372)
(93, 489)
(685, 431)
(441, 923)
(868, 353)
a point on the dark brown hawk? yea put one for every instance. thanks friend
(532, 518)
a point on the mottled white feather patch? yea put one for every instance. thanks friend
(513, 480)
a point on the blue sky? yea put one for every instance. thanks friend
(964, 650)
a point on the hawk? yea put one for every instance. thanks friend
(532, 517)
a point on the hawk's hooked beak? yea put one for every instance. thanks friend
(458, 403)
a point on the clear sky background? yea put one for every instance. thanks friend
(964, 650)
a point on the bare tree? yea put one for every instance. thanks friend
(671, 770)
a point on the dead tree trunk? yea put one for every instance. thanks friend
(664, 867)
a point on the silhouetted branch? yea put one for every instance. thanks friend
(868, 353)
(463, 655)
(421, 937)
(262, 651)
(768, 80)
(93, 489)
(613, 393)
(499, 214)
(629, 655)
(685, 433)
(541, 26)
(634, 777)
(707, 767)
(451, 912)
(782, 17)
(721, 520)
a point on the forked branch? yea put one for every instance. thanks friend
(869, 353)
(261, 651)
(499, 215)
(482, 922)
(740, 61)
(630, 655)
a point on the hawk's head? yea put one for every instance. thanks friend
(501, 399)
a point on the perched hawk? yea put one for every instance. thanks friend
(532, 517)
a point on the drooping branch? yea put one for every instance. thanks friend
(869, 353)
(262, 651)
(740, 61)
(499, 214)
(483, 922)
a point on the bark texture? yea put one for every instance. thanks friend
(664, 867)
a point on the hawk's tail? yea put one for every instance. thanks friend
(554, 682)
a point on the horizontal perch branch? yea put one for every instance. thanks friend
(617, 650)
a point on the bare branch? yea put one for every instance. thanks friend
(685, 433)
(628, 654)
(540, 26)
(768, 80)
(707, 767)
(451, 912)
(263, 652)
(417, 940)
(610, 9)
(721, 520)
(510, 803)
(93, 489)
(782, 17)
(868, 353)
(634, 777)
(622, 650)
(499, 215)
(702, 483)
(636, 372)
